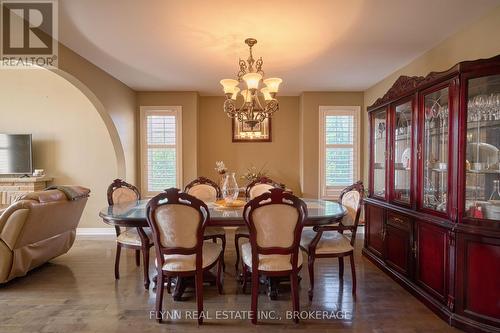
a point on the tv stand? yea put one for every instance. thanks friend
(11, 188)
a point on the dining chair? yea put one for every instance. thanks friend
(253, 189)
(275, 220)
(207, 190)
(178, 221)
(329, 241)
(136, 239)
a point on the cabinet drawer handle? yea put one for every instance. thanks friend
(398, 220)
(382, 234)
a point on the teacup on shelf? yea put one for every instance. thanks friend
(440, 166)
(478, 166)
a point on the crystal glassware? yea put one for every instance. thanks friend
(230, 189)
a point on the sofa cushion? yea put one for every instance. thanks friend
(55, 195)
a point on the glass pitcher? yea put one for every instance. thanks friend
(230, 189)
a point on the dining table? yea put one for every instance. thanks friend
(133, 215)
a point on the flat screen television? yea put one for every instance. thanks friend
(16, 154)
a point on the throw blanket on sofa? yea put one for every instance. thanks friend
(71, 192)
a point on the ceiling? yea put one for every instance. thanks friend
(315, 45)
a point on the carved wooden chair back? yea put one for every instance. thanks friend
(204, 189)
(177, 220)
(259, 186)
(352, 199)
(275, 220)
(120, 191)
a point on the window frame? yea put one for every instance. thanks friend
(332, 193)
(146, 111)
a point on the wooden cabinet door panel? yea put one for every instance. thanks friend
(397, 249)
(375, 218)
(432, 259)
(478, 276)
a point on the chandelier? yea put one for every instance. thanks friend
(258, 104)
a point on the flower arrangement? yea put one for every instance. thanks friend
(220, 167)
(253, 173)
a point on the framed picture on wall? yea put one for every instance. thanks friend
(243, 132)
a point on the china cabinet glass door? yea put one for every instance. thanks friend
(379, 135)
(482, 164)
(401, 153)
(434, 150)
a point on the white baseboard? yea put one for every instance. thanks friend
(95, 231)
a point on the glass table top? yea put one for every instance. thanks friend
(136, 211)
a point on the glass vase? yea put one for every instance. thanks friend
(230, 189)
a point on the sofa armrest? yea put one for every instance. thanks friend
(13, 225)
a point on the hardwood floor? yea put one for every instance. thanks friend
(78, 293)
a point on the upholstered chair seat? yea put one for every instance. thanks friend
(254, 189)
(331, 242)
(275, 220)
(131, 237)
(178, 221)
(269, 262)
(121, 192)
(187, 263)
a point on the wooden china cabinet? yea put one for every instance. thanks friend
(433, 210)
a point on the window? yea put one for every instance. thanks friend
(161, 157)
(339, 148)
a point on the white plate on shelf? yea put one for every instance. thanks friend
(406, 158)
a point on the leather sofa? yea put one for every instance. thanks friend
(37, 228)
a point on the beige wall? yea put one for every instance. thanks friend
(115, 102)
(70, 139)
(478, 40)
(189, 103)
(281, 156)
(309, 133)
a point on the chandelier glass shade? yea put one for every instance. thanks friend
(258, 97)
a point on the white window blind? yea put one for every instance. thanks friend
(160, 148)
(339, 149)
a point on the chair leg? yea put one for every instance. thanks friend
(219, 273)
(244, 282)
(169, 284)
(145, 259)
(310, 265)
(353, 272)
(199, 295)
(117, 261)
(223, 239)
(255, 295)
(237, 247)
(295, 296)
(137, 258)
(341, 268)
(159, 296)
